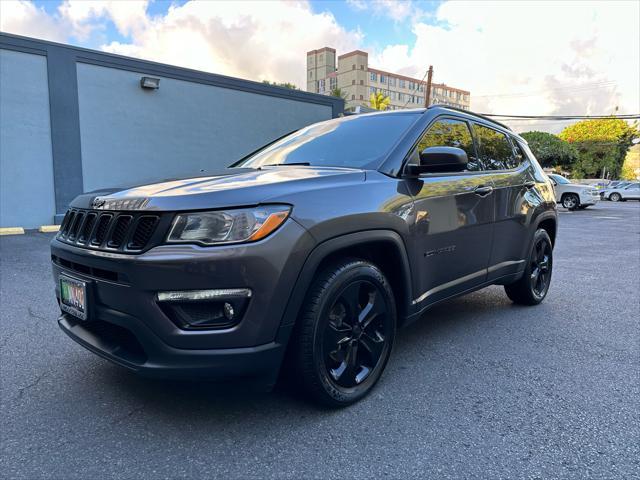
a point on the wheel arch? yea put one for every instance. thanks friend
(384, 248)
(549, 223)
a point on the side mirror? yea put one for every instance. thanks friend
(440, 159)
(553, 182)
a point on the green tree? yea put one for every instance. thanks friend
(550, 150)
(602, 145)
(378, 101)
(631, 166)
(338, 92)
(283, 84)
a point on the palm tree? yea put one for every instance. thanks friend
(378, 101)
(337, 92)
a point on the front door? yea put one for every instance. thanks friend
(454, 215)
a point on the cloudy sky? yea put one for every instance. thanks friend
(578, 57)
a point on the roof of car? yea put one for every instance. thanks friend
(444, 109)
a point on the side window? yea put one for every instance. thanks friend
(495, 148)
(519, 157)
(450, 133)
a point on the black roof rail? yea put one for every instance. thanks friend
(441, 105)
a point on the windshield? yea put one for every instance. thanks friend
(355, 141)
(559, 178)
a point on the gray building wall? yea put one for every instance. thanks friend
(183, 128)
(73, 120)
(26, 166)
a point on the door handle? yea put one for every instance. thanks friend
(483, 191)
(530, 184)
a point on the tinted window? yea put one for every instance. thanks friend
(355, 141)
(495, 149)
(450, 133)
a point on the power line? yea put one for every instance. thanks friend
(417, 86)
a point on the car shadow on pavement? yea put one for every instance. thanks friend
(217, 403)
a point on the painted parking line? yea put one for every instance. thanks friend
(49, 228)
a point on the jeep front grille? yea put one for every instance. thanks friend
(127, 232)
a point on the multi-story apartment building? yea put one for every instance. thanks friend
(353, 76)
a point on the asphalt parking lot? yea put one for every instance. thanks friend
(478, 388)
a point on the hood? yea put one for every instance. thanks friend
(231, 187)
(583, 187)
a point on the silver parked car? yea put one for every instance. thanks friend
(573, 195)
(623, 192)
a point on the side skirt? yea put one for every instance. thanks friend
(503, 280)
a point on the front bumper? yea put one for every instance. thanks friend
(589, 199)
(127, 325)
(126, 342)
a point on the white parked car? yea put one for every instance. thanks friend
(573, 195)
(623, 192)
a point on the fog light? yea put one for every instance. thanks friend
(228, 311)
(205, 309)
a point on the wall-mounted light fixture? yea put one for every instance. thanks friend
(150, 83)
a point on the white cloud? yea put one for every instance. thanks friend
(530, 58)
(85, 16)
(515, 58)
(24, 18)
(358, 5)
(397, 10)
(257, 40)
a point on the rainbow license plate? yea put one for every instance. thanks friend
(73, 296)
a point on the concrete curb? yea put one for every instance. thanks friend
(11, 231)
(49, 228)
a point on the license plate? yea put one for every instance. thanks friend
(73, 296)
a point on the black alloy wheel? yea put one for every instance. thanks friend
(534, 284)
(540, 267)
(344, 334)
(356, 333)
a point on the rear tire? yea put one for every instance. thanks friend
(344, 333)
(534, 284)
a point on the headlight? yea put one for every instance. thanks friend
(228, 226)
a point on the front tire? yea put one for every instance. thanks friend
(570, 201)
(534, 284)
(615, 197)
(344, 334)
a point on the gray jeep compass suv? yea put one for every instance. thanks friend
(308, 254)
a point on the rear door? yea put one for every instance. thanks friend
(515, 198)
(454, 214)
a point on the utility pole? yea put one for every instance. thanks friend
(427, 93)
